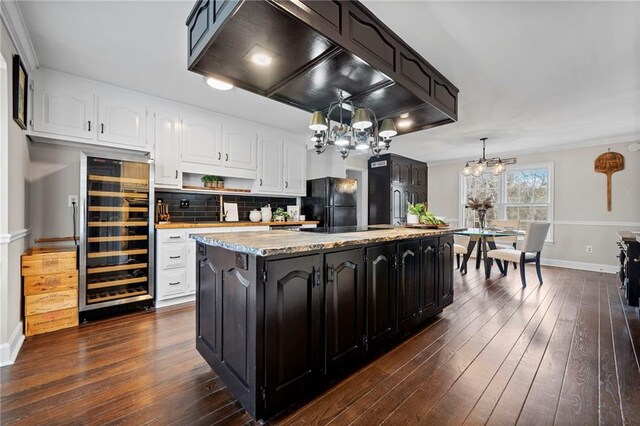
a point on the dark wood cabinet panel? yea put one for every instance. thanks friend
(407, 180)
(293, 344)
(381, 296)
(371, 39)
(329, 11)
(429, 261)
(345, 308)
(445, 271)
(207, 303)
(235, 313)
(448, 98)
(408, 285)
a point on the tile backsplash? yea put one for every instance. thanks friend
(206, 207)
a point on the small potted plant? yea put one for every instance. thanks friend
(208, 181)
(280, 215)
(220, 182)
(414, 212)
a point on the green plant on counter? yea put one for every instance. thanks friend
(422, 210)
(220, 178)
(208, 178)
(280, 212)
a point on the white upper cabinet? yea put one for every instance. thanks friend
(167, 149)
(282, 167)
(201, 139)
(295, 169)
(240, 146)
(63, 109)
(121, 121)
(270, 175)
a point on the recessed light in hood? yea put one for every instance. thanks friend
(218, 84)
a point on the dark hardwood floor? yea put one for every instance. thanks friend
(565, 352)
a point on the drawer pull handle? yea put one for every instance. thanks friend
(174, 237)
(176, 283)
(175, 257)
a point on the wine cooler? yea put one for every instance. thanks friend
(116, 232)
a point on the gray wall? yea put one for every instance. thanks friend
(15, 208)
(580, 208)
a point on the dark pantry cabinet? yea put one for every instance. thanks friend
(276, 328)
(394, 182)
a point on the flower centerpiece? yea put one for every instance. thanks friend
(481, 207)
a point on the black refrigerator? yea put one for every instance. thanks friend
(331, 201)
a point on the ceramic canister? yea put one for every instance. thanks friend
(255, 216)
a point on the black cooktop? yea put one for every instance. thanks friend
(342, 229)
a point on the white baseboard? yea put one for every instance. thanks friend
(9, 351)
(175, 301)
(584, 266)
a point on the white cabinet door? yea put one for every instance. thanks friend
(121, 121)
(167, 149)
(191, 266)
(63, 110)
(270, 178)
(240, 147)
(201, 139)
(295, 169)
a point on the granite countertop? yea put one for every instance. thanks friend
(628, 236)
(285, 242)
(181, 225)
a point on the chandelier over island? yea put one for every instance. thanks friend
(484, 165)
(361, 132)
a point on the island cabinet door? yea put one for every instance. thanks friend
(207, 303)
(293, 343)
(408, 285)
(445, 271)
(428, 305)
(344, 308)
(381, 296)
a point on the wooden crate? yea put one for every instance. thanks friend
(44, 261)
(47, 302)
(38, 284)
(51, 321)
(50, 280)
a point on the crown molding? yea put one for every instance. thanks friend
(12, 18)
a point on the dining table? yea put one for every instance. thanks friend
(485, 238)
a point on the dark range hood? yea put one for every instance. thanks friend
(318, 48)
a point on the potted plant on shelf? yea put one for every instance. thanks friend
(280, 215)
(208, 181)
(481, 207)
(220, 182)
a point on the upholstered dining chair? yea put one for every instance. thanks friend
(506, 242)
(531, 249)
(460, 245)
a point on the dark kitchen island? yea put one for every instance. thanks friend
(281, 314)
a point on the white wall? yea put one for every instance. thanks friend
(15, 223)
(580, 208)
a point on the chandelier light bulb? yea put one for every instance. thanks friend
(467, 169)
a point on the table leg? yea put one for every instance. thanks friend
(487, 261)
(465, 259)
(479, 253)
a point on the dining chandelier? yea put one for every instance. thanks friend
(483, 165)
(363, 132)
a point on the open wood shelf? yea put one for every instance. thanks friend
(204, 188)
(116, 179)
(117, 238)
(117, 209)
(117, 294)
(114, 268)
(116, 253)
(116, 283)
(143, 195)
(136, 223)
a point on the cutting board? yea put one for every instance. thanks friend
(609, 163)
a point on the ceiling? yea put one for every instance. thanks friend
(532, 75)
